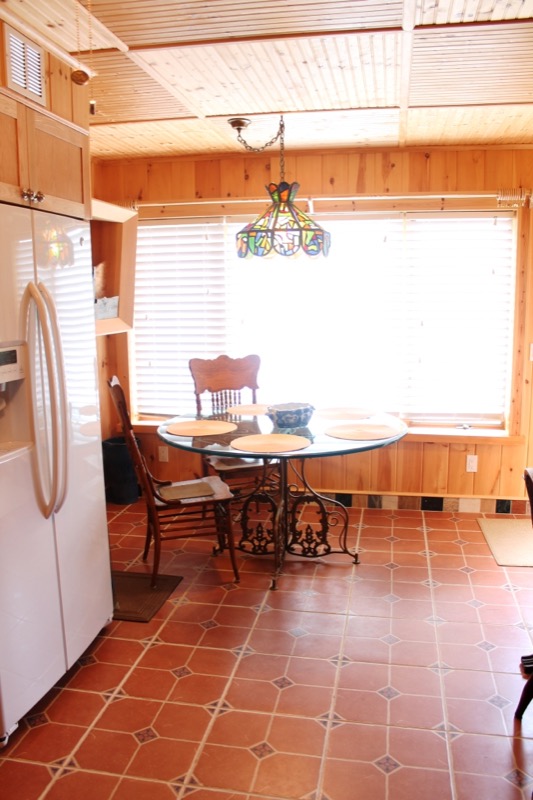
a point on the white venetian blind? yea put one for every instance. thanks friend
(410, 313)
(180, 310)
(460, 276)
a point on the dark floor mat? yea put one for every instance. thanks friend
(133, 597)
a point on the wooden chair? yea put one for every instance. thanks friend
(528, 478)
(177, 510)
(224, 378)
(225, 382)
(527, 692)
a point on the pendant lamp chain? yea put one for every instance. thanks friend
(78, 45)
(282, 149)
(239, 124)
(283, 229)
(92, 102)
(245, 123)
(79, 76)
(90, 24)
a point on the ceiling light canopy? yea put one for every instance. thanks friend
(283, 229)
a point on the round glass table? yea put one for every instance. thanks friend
(283, 513)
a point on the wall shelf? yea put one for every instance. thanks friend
(114, 243)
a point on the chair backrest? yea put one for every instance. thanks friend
(224, 378)
(141, 470)
(119, 401)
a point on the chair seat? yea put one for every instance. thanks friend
(222, 464)
(194, 491)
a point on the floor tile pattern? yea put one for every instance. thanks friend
(391, 679)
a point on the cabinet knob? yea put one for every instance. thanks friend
(33, 197)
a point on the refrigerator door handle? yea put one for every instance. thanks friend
(32, 295)
(61, 411)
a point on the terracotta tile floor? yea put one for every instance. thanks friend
(392, 679)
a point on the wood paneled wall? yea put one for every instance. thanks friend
(334, 174)
(425, 463)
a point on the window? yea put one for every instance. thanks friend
(410, 313)
(25, 66)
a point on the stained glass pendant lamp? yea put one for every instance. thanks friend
(283, 229)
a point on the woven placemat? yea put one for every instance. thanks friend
(362, 432)
(200, 427)
(271, 443)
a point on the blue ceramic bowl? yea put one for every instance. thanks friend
(290, 415)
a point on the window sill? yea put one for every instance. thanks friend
(147, 425)
(456, 435)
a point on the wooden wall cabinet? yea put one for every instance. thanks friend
(114, 244)
(44, 162)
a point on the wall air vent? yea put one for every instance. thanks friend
(25, 66)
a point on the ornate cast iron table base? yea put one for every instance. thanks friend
(292, 518)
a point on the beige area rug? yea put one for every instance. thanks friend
(510, 541)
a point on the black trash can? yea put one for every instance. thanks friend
(119, 474)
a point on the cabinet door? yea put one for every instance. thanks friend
(14, 168)
(58, 157)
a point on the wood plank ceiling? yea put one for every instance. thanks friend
(345, 73)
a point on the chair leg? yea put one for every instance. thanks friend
(153, 533)
(220, 522)
(525, 698)
(157, 557)
(225, 536)
(231, 542)
(148, 540)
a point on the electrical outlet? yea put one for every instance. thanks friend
(471, 463)
(163, 453)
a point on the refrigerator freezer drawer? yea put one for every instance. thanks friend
(32, 655)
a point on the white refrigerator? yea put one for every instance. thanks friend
(55, 577)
